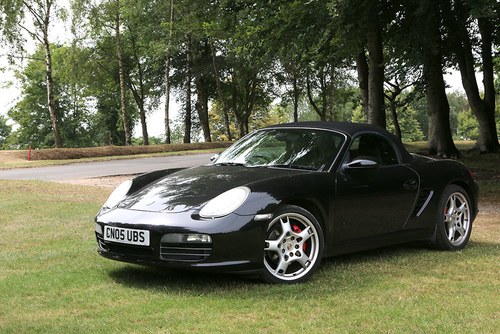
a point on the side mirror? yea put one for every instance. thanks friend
(362, 164)
(214, 157)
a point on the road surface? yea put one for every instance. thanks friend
(105, 168)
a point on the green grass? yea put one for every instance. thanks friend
(53, 281)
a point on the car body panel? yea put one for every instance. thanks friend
(358, 207)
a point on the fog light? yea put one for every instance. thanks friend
(203, 238)
(98, 229)
(175, 238)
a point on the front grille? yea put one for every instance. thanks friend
(121, 249)
(185, 252)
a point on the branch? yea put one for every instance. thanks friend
(22, 57)
(31, 33)
(33, 12)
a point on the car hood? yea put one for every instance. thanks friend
(189, 189)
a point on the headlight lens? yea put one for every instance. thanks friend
(118, 194)
(225, 203)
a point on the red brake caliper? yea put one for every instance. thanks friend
(297, 230)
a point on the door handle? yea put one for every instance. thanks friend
(410, 184)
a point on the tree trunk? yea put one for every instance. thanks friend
(376, 103)
(440, 141)
(187, 116)
(168, 134)
(362, 69)
(488, 136)
(296, 97)
(220, 92)
(392, 96)
(139, 95)
(139, 100)
(202, 106)
(319, 111)
(438, 109)
(483, 109)
(121, 70)
(50, 83)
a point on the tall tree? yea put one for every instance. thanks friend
(121, 72)
(34, 18)
(374, 44)
(440, 138)
(168, 61)
(460, 22)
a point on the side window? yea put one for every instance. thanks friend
(373, 147)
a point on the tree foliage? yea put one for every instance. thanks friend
(234, 65)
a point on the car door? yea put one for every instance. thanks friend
(375, 193)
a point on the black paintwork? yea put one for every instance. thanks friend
(359, 206)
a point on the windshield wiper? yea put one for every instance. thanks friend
(228, 163)
(292, 166)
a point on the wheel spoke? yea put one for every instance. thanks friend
(462, 208)
(451, 232)
(306, 234)
(303, 260)
(272, 245)
(286, 227)
(453, 204)
(282, 266)
(461, 231)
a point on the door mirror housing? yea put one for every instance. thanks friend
(364, 163)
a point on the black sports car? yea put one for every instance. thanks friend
(282, 198)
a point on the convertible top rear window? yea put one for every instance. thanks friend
(309, 149)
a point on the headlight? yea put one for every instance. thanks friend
(225, 203)
(118, 194)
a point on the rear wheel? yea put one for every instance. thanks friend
(293, 246)
(454, 219)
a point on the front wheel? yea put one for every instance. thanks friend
(293, 246)
(454, 224)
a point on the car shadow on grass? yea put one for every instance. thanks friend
(339, 271)
(162, 279)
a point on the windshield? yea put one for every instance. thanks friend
(310, 149)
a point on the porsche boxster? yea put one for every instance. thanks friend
(284, 197)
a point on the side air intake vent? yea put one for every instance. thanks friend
(423, 199)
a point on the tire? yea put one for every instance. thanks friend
(293, 247)
(453, 229)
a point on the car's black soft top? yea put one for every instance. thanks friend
(351, 130)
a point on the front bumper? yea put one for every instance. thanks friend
(237, 242)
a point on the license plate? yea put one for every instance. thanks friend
(126, 235)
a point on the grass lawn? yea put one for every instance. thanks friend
(53, 281)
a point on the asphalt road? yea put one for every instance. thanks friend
(105, 168)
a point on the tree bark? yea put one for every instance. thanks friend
(202, 106)
(49, 80)
(488, 136)
(376, 103)
(438, 109)
(187, 116)
(362, 69)
(440, 140)
(483, 108)
(168, 60)
(220, 92)
(121, 70)
(139, 95)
